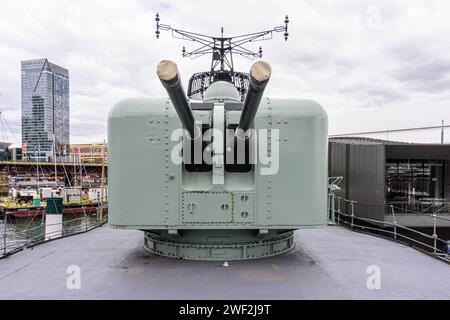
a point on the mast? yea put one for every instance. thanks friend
(81, 171)
(74, 170)
(222, 49)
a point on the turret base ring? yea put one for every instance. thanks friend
(215, 249)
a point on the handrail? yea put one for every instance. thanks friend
(423, 212)
(352, 220)
(39, 235)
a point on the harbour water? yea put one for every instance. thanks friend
(16, 233)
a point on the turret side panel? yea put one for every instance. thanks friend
(143, 190)
(296, 193)
(146, 187)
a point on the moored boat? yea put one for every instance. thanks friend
(21, 211)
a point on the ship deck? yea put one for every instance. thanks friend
(329, 263)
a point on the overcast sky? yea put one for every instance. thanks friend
(362, 60)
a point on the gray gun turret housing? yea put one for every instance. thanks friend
(233, 185)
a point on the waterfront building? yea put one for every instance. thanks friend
(388, 176)
(90, 153)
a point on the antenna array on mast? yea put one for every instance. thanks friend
(222, 50)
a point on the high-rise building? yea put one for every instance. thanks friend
(45, 108)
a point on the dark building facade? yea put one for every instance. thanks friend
(385, 174)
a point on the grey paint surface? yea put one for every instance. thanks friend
(295, 196)
(329, 263)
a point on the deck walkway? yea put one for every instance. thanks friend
(329, 263)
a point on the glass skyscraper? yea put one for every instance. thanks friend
(45, 108)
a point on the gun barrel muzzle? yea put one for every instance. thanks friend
(259, 77)
(167, 72)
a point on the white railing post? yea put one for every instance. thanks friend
(394, 220)
(338, 211)
(4, 233)
(434, 234)
(333, 211)
(339, 205)
(98, 213)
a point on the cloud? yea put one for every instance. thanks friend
(348, 55)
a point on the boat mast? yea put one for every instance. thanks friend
(81, 171)
(74, 170)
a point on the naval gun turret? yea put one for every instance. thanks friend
(220, 172)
